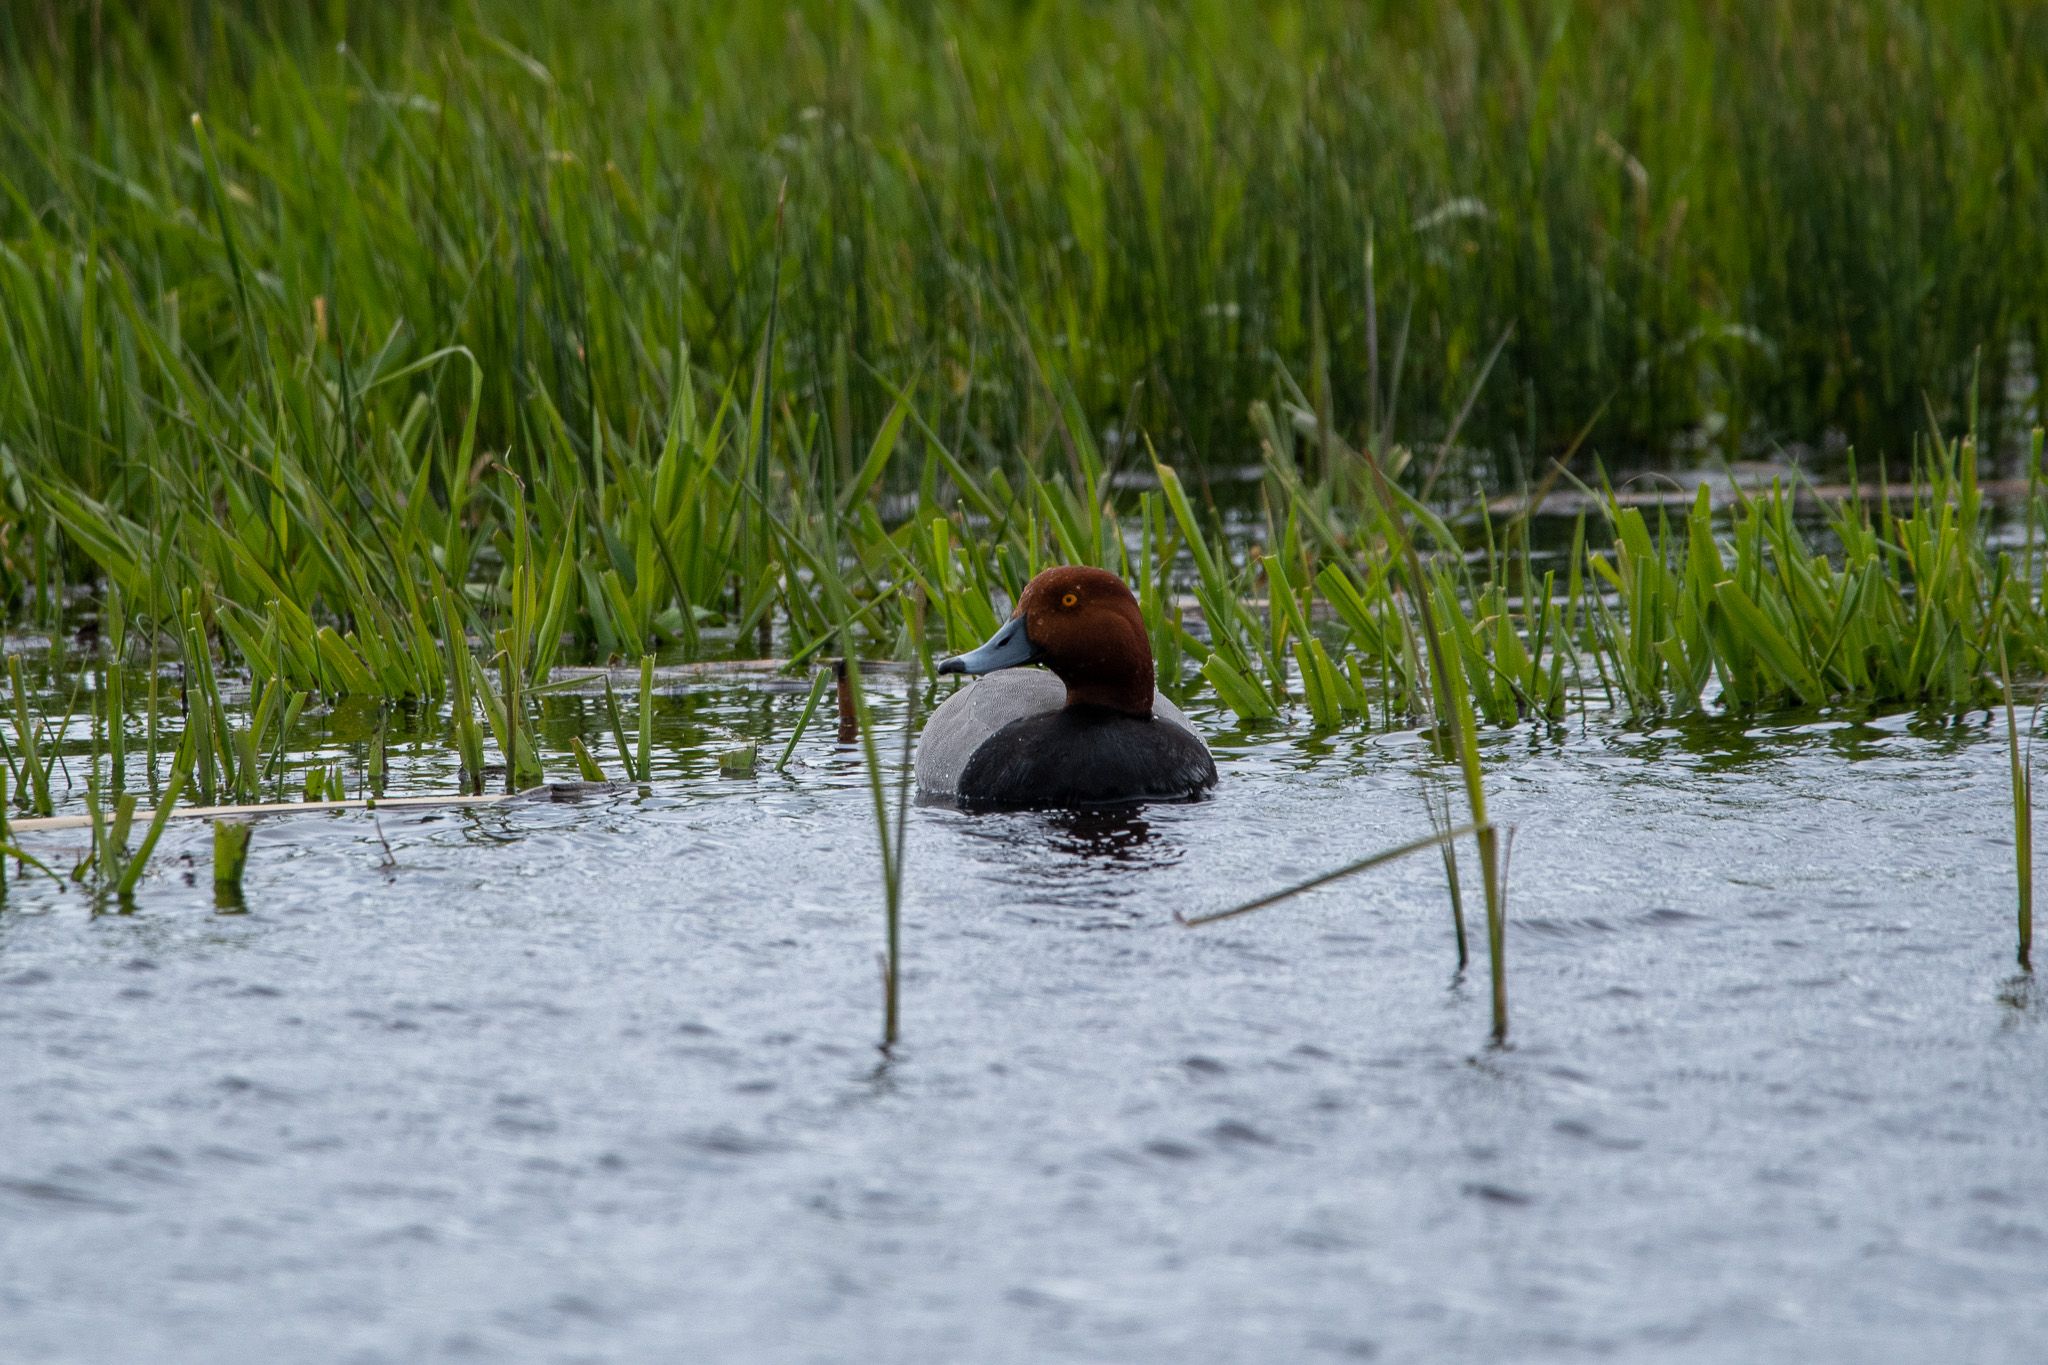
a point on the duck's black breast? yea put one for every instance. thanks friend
(1086, 756)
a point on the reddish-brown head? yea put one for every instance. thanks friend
(1085, 626)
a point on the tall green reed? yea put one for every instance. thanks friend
(891, 829)
(963, 194)
(1458, 724)
(2022, 822)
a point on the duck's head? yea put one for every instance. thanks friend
(1084, 625)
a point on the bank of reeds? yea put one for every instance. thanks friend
(409, 367)
(1904, 591)
(1705, 222)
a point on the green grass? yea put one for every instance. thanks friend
(702, 332)
(2022, 821)
(891, 832)
(230, 858)
(1723, 221)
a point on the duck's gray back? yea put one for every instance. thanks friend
(986, 705)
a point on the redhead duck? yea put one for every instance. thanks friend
(1088, 731)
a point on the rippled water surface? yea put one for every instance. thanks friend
(596, 1079)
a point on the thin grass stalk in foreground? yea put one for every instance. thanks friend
(1465, 728)
(1324, 879)
(2022, 818)
(818, 686)
(892, 844)
(181, 770)
(35, 774)
(116, 701)
(903, 772)
(97, 856)
(644, 751)
(1438, 804)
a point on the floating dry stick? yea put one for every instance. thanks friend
(54, 823)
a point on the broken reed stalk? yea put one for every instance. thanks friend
(586, 766)
(181, 770)
(618, 722)
(1379, 859)
(2022, 817)
(803, 721)
(115, 619)
(377, 761)
(849, 718)
(150, 723)
(230, 857)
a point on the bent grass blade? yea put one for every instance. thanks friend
(1365, 864)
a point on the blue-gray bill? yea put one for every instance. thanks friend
(1009, 647)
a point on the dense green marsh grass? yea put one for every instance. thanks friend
(1725, 221)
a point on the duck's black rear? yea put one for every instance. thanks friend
(1086, 756)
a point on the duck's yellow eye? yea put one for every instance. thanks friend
(1069, 600)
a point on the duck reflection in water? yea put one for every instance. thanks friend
(1115, 834)
(1080, 869)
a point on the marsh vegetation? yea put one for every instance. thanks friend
(1485, 402)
